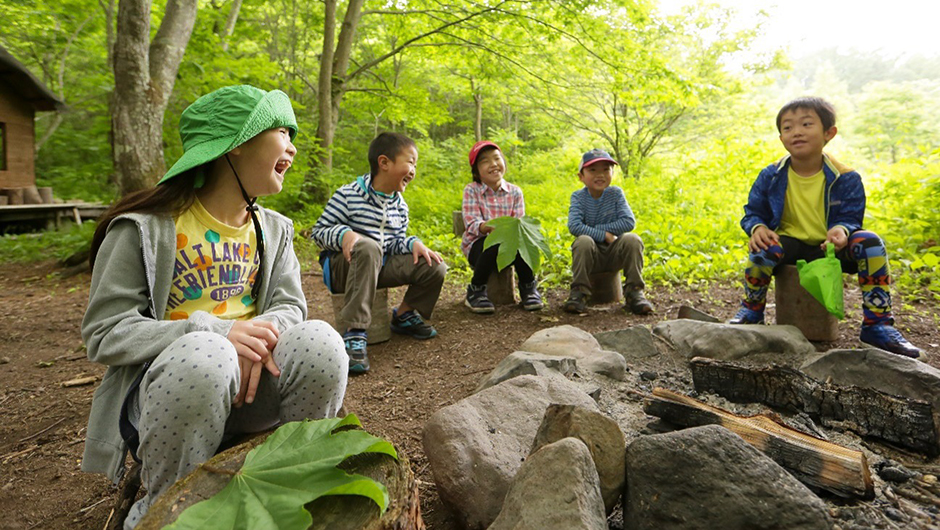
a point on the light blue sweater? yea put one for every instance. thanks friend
(588, 216)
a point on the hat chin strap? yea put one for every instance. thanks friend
(252, 210)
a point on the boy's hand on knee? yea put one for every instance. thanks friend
(254, 340)
(419, 250)
(609, 238)
(836, 236)
(349, 241)
(762, 238)
(248, 386)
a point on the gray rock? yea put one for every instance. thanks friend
(633, 343)
(556, 488)
(599, 433)
(475, 446)
(896, 473)
(527, 363)
(694, 314)
(879, 370)
(708, 477)
(569, 341)
(692, 338)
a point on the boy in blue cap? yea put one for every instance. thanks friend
(804, 201)
(602, 223)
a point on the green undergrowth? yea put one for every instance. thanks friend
(687, 204)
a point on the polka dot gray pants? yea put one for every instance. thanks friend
(185, 399)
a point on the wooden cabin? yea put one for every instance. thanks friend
(21, 97)
(22, 204)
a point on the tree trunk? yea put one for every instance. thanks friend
(478, 111)
(325, 127)
(230, 23)
(144, 75)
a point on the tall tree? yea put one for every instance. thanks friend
(144, 74)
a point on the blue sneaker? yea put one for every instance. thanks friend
(747, 316)
(887, 338)
(411, 323)
(355, 342)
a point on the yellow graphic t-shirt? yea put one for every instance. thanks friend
(804, 217)
(215, 267)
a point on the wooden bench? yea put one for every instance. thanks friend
(501, 285)
(796, 307)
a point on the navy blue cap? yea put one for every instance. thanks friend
(594, 156)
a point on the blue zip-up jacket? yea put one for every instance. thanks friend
(358, 207)
(844, 199)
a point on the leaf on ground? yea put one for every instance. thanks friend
(294, 466)
(517, 235)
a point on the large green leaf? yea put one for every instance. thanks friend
(294, 466)
(517, 235)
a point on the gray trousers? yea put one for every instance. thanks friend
(184, 404)
(360, 278)
(589, 257)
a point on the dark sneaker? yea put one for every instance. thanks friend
(531, 299)
(477, 300)
(747, 316)
(576, 303)
(886, 337)
(356, 350)
(412, 324)
(635, 302)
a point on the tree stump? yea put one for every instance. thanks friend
(334, 512)
(796, 307)
(379, 329)
(605, 287)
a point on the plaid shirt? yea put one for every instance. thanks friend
(481, 203)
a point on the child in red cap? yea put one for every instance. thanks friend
(489, 196)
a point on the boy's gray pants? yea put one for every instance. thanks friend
(589, 257)
(360, 278)
(184, 403)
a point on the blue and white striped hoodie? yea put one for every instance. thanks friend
(357, 206)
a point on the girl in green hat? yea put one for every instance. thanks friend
(196, 304)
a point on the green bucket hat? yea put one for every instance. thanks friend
(226, 118)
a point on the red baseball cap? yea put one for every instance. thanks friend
(477, 147)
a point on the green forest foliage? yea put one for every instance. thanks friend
(681, 103)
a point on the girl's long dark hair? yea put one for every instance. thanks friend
(173, 197)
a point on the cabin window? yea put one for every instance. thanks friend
(3, 146)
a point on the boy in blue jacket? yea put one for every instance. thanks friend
(363, 234)
(806, 200)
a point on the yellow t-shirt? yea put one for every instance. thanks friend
(215, 267)
(804, 217)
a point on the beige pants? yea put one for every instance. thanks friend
(589, 257)
(365, 273)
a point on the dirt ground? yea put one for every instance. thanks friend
(43, 418)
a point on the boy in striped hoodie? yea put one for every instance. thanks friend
(602, 223)
(363, 234)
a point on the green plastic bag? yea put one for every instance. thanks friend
(823, 279)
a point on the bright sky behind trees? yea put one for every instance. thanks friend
(803, 26)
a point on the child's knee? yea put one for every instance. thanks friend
(631, 240)
(769, 257)
(583, 244)
(367, 247)
(312, 345)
